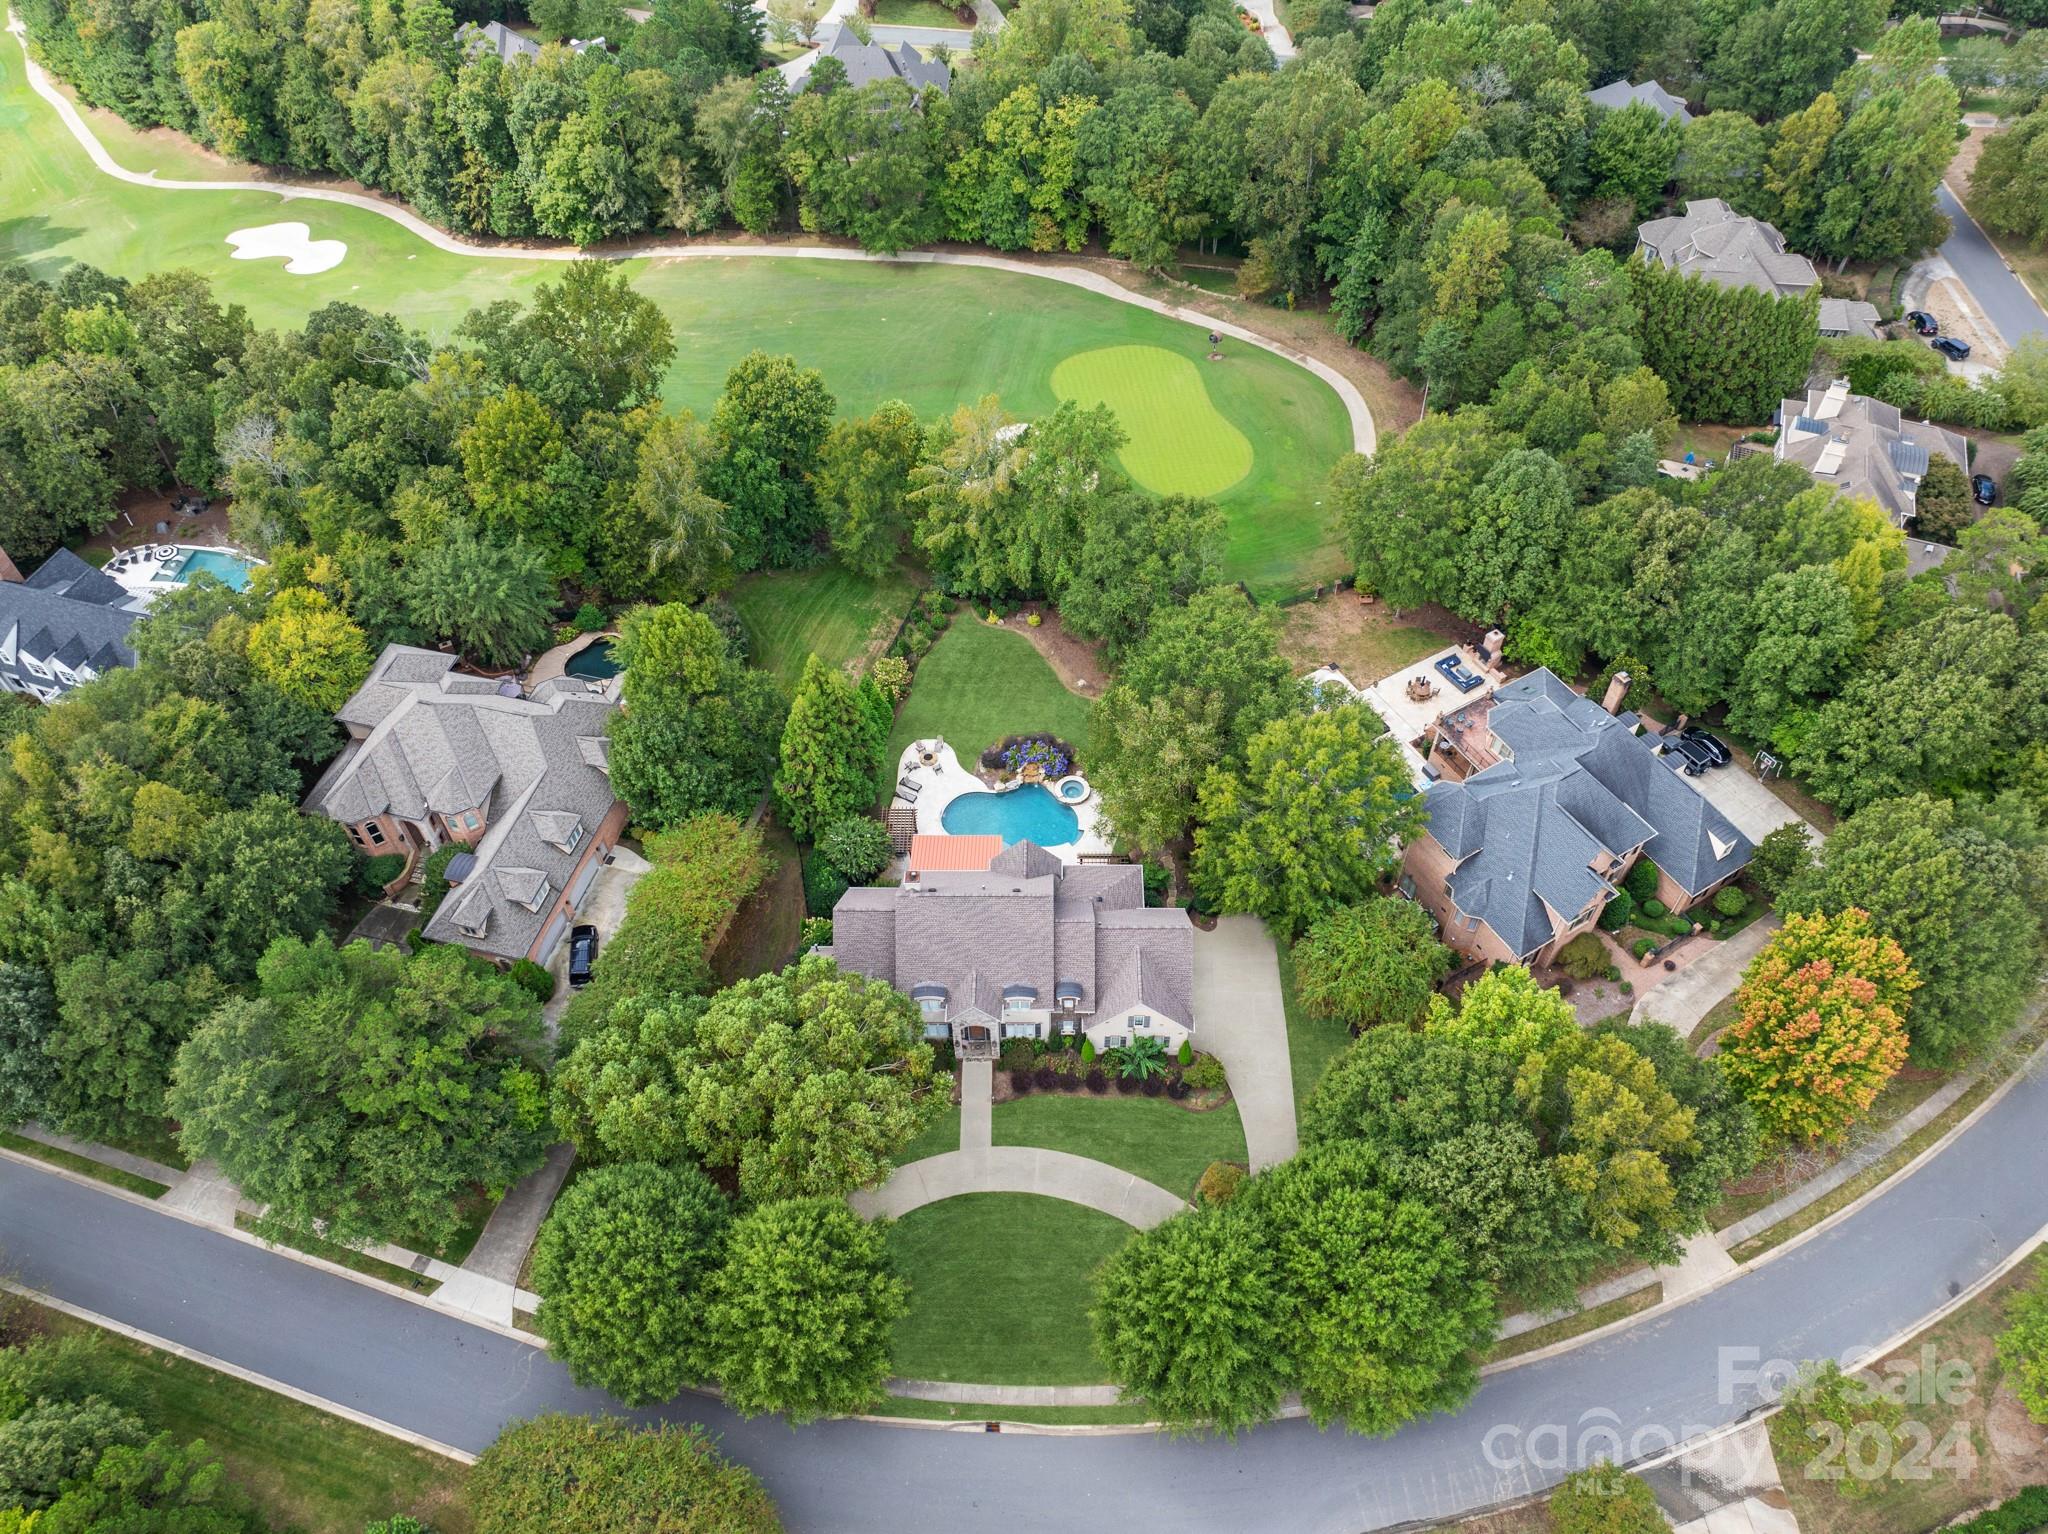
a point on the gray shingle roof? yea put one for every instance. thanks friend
(1620, 94)
(69, 612)
(1848, 317)
(1863, 446)
(1711, 240)
(1028, 921)
(1580, 788)
(865, 63)
(433, 742)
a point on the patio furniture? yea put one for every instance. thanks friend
(1420, 689)
(908, 790)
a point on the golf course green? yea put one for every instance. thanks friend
(1253, 430)
(1180, 443)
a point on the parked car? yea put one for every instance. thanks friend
(1453, 671)
(582, 953)
(1984, 488)
(1923, 322)
(1708, 742)
(1951, 348)
(1693, 758)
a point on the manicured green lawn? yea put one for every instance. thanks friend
(1001, 332)
(940, 1136)
(308, 1472)
(1312, 1043)
(826, 610)
(1179, 444)
(1000, 1290)
(915, 13)
(980, 683)
(1160, 1141)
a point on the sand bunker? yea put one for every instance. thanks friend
(303, 254)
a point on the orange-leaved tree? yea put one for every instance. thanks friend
(1822, 1024)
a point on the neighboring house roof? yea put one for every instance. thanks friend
(1711, 240)
(1621, 94)
(66, 612)
(430, 741)
(1863, 446)
(1027, 921)
(865, 63)
(496, 37)
(935, 853)
(1848, 317)
(1534, 835)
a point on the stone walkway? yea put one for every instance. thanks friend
(1363, 435)
(1241, 1020)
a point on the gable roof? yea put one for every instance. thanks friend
(1711, 240)
(1027, 924)
(1863, 446)
(1848, 317)
(67, 612)
(865, 63)
(1649, 93)
(433, 741)
(1579, 789)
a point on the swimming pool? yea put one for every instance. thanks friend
(231, 570)
(594, 661)
(1028, 814)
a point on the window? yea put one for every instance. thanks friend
(1020, 1030)
(374, 832)
(355, 835)
(934, 1006)
(1114, 1041)
(937, 1031)
(1018, 1003)
(574, 839)
(1141, 1020)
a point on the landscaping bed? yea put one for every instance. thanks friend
(1000, 1285)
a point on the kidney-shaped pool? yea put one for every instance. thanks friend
(1028, 814)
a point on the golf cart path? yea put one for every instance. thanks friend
(1363, 435)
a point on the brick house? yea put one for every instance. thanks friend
(1520, 856)
(521, 779)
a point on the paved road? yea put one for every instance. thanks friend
(1869, 1278)
(2002, 296)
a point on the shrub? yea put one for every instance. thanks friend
(1642, 880)
(1098, 1081)
(2021, 1514)
(1087, 1051)
(1020, 1082)
(1153, 1086)
(1823, 1395)
(1641, 947)
(589, 618)
(398, 1524)
(1220, 1182)
(1158, 880)
(1615, 914)
(1045, 1078)
(1730, 901)
(1628, 987)
(1186, 1056)
(1656, 909)
(816, 932)
(434, 878)
(372, 874)
(856, 848)
(1584, 957)
(1179, 1090)
(2023, 1346)
(1018, 1055)
(1126, 1085)
(1206, 1073)
(1602, 1499)
(1069, 1082)
(1032, 619)
(823, 884)
(601, 1475)
(534, 979)
(892, 675)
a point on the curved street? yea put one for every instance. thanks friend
(1869, 1278)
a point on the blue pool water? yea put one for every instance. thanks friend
(594, 661)
(1028, 814)
(231, 570)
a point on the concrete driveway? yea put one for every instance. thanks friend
(604, 907)
(1754, 809)
(1240, 1019)
(384, 926)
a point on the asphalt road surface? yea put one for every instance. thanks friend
(2001, 295)
(1870, 1277)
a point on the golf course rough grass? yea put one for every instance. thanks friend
(1179, 443)
(1000, 1285)
(933, 336)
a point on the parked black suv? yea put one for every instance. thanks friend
(1984, 488)
(582, 953)
(1693, 757)
(1923, 322)
(1951, 348)
(1708, 742)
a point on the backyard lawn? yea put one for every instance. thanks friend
(981, 683)
(1160, 1141)
(1005, 333)
(825, 610)
(999, 1289)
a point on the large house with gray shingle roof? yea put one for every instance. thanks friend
(1519, 857)
(1619, 95)
(521, 779)
(1029, 948)
(1864, 447)
(63, 626)
(867, 62)
(1713, 241)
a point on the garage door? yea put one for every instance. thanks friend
(582, 885)
(551, 937)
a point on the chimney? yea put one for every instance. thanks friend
(7, 570)
(1617, 689)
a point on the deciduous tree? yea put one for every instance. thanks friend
(603, 1475)
(1370, 964)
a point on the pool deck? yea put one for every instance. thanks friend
(555, 662)
(945, 780)
(140, 569)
